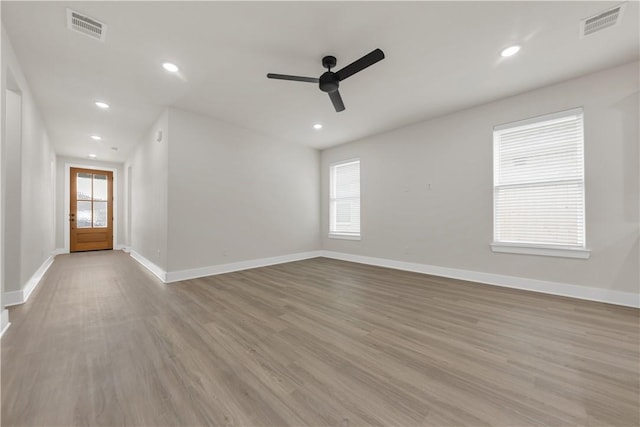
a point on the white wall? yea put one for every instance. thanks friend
(62, 209)
(11, 192)
(38, 192)
(237, 195)
(33, 166)
(450, 225)
(4, 313)
(149, 183)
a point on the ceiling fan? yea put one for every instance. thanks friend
(330, 81)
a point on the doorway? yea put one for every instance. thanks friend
(90, 210)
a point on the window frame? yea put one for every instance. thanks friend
(340, 234)
(548, 249)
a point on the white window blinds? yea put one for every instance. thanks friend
(539, 181)
(344, 198)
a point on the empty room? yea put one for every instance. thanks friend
(320, 213)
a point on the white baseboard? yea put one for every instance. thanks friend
(4, 321)
(21, 296)
(12, 298)
(212, 270)
(627, 299)
(157, 271)
(36, 278)
(175, 276)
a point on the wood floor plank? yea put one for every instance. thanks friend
(316, 342)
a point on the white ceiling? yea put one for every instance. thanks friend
(440, 57)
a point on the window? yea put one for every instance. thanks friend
(538, 191)
(344, 200)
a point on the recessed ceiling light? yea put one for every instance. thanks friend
(511, 50)
(93, 156)
(102, 105)
(96, 137)
(317, 126)
(173, 68)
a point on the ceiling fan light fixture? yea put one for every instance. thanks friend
(510, 51)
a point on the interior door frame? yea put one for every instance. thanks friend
(67, 201)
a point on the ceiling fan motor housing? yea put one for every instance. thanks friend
(329, 82)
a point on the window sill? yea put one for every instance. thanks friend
(553, 251)
(344, 236)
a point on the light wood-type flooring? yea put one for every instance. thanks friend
(311, 343)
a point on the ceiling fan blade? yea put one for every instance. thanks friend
(294, 78)
(336, 99)
(360, 64)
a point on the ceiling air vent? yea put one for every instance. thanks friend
(608, 18)
(88, 26)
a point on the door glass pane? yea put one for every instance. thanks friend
(83, 186)
(83, 215)
(100, 188)
(99, 214)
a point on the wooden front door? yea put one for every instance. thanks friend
(91, 210)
